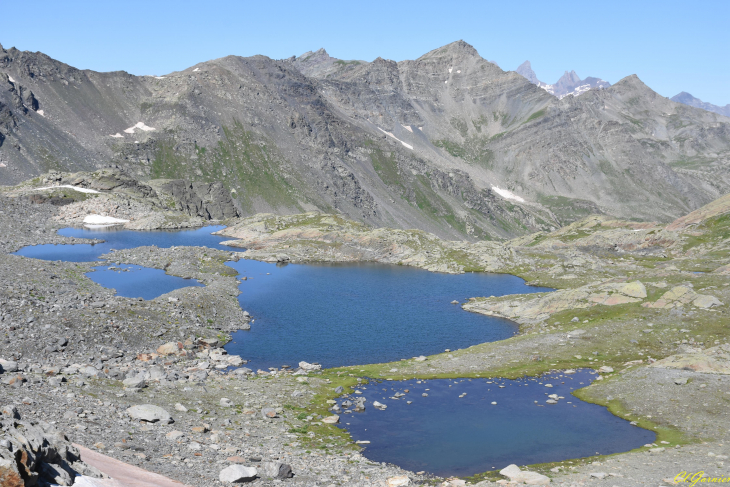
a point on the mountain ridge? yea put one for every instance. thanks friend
(688, 99)
(448, 143)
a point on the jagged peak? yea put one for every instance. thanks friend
(569, 77)
(525, 70)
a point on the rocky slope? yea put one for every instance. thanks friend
(448, 143)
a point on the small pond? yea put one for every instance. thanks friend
(446, 435)
(133, 281)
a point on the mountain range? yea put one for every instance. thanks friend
(448, 143)
(568, 84)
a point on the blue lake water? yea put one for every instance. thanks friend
(447, 435)
(133, 281)
(118, 238)
(358, 314)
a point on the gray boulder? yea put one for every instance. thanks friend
(136, 382)
(276, 470)
(149, 413)
(237, 473)
(8, 366)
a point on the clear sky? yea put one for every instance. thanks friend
(672, 46)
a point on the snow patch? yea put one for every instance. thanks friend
(396, 138)
(139, 125)
(408, 128)
(458, 71)
(41, 113)
(10, 78)
(76, 188)
(159, 77)
(2, 164)
(196, 69)
(450, 69)
(445, 82)
(507, 194)
(117, 135)
(103, 220)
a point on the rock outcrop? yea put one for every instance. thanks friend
(36, 454)
(207, 200)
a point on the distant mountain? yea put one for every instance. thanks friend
(525, 69)
(690, 100)
(568, 84)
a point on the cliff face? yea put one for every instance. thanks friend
(448, 143)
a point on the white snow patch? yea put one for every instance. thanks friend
(10, 78)
(507, 194)
(117, 135)
(446, 81)
(102, 220)
(420, 128)
(159, 77)
(139, 125)
(450, 69)
(2, 164)
(196, 69)
(408, 128)
(77, 188)
(458, 71)
(396, 138)
(41, 113)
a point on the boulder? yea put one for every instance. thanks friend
(10, 411)
(399, 481)
(277, 470)
(524, 476)
(169, 348)
(237, 473)
(149, 413)
(136, 382)
(8, 366)
(334, 419)
(705, 301)
(309, 367)
(605, 369)
(90, 371)
(225, 402)
(157, 373)
(268, 413)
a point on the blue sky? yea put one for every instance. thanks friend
(672, 46)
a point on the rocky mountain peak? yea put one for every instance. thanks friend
(457, 49)
(525, 69)
(568, 79)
